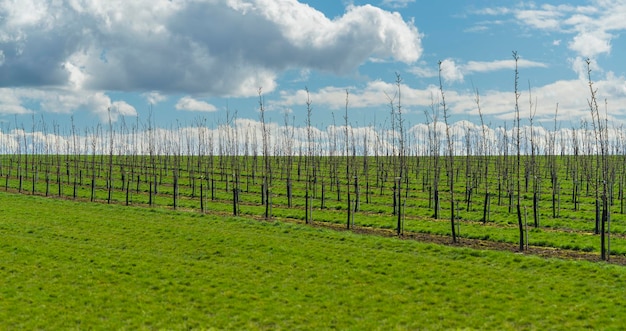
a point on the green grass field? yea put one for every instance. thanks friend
(72, 265)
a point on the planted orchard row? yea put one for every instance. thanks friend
(235, 185)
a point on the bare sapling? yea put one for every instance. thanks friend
(76, 157)
(94, 147)
(288, 134)
(601, 148)
(400, 167)
(347, 159)
(230, 147)
(308, 161)
(110, 159)
(554, 165)
(533, 159)
(434, 152)
(450, 157)
(394, 160)
(201, 132)
(267, 174)
(518, 145)
(485, 155)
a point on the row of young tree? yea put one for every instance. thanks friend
(304, 167)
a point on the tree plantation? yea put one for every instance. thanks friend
(518, 183)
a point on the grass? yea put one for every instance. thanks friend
(69, 265)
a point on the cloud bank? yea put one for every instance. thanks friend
(213, 48)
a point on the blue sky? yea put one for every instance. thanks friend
(187, 60)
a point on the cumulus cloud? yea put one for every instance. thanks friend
(423, 70)
(548, 17)
(592, 27)
(374, 94)
(570, 95)
(579, 65)
(16, 101)
(487, 66)
(67, 55)
(123, 108)
(219, 48)
(591, 44)
(10, 102)
(452, 72)
(190, 104)
(154, 98)
(101, 105)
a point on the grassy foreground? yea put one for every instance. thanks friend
(69, 265)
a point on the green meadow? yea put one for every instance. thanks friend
(76, 265)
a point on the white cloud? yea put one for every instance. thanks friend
(477, 28)
(501, 104)
(570, 95)
(450, 72)
(492, 11)
(579, 65)
(303, 76)
(210, 47)
(396, 3)
(481, 66)
(374, 94)
(10, 103)
(423, 70)
(19, 100)
(592, 27)
(546, 18)
(25, 13)
(455, 72)
(101, 105)
(66, 55)
(591, 44)
(123, 108)
(361, 32)
(154, 98)
(190, 104)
